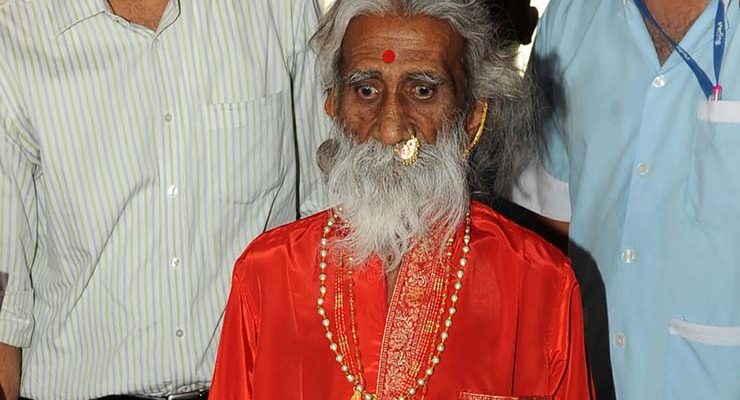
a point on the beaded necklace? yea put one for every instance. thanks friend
(352, 366)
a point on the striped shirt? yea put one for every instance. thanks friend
(134, 167)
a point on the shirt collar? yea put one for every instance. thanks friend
(68, 13)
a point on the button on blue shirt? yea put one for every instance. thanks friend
(652, 175)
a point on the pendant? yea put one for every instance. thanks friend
(358, 396)
(407, 150)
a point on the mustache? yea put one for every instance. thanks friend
(326, 154)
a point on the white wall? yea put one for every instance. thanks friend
(526, 50)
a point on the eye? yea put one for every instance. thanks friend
(367, 92)
(423, 92)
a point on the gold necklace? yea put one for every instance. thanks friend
(342, 348)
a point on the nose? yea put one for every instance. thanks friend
(392, 126)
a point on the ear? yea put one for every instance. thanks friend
(475, 118)
(330, 104)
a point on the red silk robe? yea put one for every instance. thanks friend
(517, 333)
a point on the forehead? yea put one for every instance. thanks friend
(419, 43)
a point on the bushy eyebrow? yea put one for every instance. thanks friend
(360, 76)
(428, 78)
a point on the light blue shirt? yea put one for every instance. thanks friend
(652, 174)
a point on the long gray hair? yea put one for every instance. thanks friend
(510, 138)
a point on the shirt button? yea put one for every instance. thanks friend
(172, 191)
(643, 168)
(179, 333)
(168, 117)
(629, 256)
(174, 262)
(620, 340)
(659, 81)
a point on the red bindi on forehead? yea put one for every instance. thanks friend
(389, 56)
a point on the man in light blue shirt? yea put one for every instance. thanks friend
(646, 171)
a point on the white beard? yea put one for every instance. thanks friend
(386, 207)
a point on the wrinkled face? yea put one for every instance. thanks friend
(400, 75)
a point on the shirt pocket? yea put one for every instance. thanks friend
(476, 396)
(703, 361)
(245, 148)
(714, 180)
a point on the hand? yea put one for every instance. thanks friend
(10, 372)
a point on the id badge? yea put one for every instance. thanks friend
(720, 111)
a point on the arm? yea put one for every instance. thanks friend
(576, 383)
(561, 227)
(232, 378)
(10, 371)
(18, 237)
(543, 187)
(311, 123)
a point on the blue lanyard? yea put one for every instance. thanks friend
(711, 91)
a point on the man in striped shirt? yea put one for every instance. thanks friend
(142, 144)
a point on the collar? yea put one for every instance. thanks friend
(68, 13)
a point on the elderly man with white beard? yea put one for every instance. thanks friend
(407, 289)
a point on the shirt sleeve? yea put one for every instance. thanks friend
(544, 185)
(537, 190)
(232, 377)
(311, 123)
(576, 383)
(18, 221)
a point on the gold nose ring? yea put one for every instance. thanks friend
(407, 150)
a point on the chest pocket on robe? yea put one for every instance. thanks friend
(475, 396)
(714, 181)
(245, 148)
